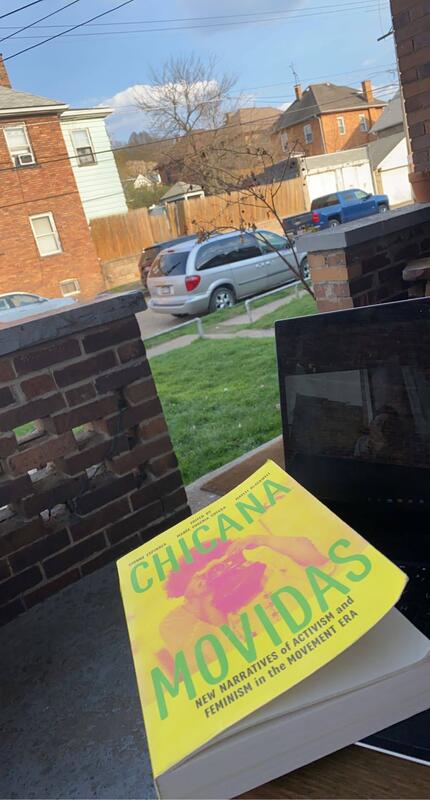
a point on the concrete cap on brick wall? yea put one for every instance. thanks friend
(365, 229)
(73, 319)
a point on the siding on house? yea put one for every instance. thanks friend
(99, 184)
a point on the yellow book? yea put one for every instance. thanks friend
(239, 603)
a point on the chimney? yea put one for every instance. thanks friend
(4, 77)
(367, 91)
(298, 91)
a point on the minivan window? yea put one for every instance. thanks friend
(270, 241)
(225, 251)
(174, 263)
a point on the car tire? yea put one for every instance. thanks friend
(305, 271)
(383, 208)
(179, 316)
(333, 223)
(222, 297)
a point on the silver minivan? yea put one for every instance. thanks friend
(193, 278)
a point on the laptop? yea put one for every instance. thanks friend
(355, 405)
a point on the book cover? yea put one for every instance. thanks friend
(242, 601)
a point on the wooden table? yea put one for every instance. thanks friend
(354, 772)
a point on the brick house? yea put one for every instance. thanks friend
(326, 118)
(45, 242)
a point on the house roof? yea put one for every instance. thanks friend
(245, 116)
(12, 101)
(324, 98)
(181, 188)
(379, 149)
(391, 116)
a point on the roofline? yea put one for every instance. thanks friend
(279, 127)
(99, 111)
(17, 112)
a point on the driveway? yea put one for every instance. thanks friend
(151, 323)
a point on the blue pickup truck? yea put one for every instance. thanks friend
(333, 209)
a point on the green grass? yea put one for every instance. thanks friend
(220, 399)
(301, 307)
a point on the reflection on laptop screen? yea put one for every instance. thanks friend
(355, 400)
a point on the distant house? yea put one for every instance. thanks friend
(326, 118)
(46, 245)
(147, 180)
(388, 154)
(93, 162)
(182, 191)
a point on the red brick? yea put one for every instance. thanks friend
(94, 452)
(81, 394)
(159, 466)
(40, 384)
(8, 445)
(7, 372)
(131, 350)
(175, 500)
(47, 449)
(51, 587)
(111, 554)
(44, 547)
(50, 492)
(106, 490)
(140, 391)
(36, 409)
(135, 522)
(154, 427)
(79, 416)
(6, 397)
(13, 489)
(156, 489)
(129, 417)
(17, 532)
(100, 519)
(121, 377)
(39, 357)
(74, 555)
(86, 368)
(4, 569)
(111, 334)
(18, 584)
(140, 455)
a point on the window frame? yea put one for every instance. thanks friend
(54, 232)
(363, 119)
(284, 141)
(70, 280)
(19, 126)
(341, 127)
(308, 133)
(89, 147)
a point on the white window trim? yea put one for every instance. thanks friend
(21, 126)
(53, 233)
(284, 141)
(341, 125)
(70, 280)
(93, 152)
(308, 134)
(363, 119)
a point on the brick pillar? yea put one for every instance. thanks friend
(87, 468)
(411, 23)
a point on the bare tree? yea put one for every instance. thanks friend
(186, 94)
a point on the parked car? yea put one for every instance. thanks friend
(193, 278)
(333, 209)
(149, 254)
(15, 305)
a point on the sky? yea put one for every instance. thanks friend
(254, 40)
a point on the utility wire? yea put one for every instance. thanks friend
(33, 24)
(62, 33)
(21, 8)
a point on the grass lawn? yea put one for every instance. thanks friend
(220, 399)
(301, 307)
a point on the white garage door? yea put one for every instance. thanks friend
(358, 176)
(396, 185)
(322, 183)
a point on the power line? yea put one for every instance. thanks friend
(21, 8)
(198, 132)
(33, 24)
(62, 33)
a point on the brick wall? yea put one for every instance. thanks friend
(48, 186)
(411, 23)
(333, 141)
(96, 475)
(368, 271)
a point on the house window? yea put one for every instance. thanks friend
(363, 123)
(284, 141)
(83, 147)
(341, 125)
(307, 130)
(70, 287)
(19, 145)
(46, 234)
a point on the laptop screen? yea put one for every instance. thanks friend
(355, 402)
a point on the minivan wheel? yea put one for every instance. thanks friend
(304, 270)
(223, 297)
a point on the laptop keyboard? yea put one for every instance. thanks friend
(415, 600)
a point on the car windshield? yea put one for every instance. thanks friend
(170, 263)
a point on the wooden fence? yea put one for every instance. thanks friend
(125, 235)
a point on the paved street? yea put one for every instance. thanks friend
(151, 323)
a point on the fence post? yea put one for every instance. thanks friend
(200, 329)
(248, 310)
